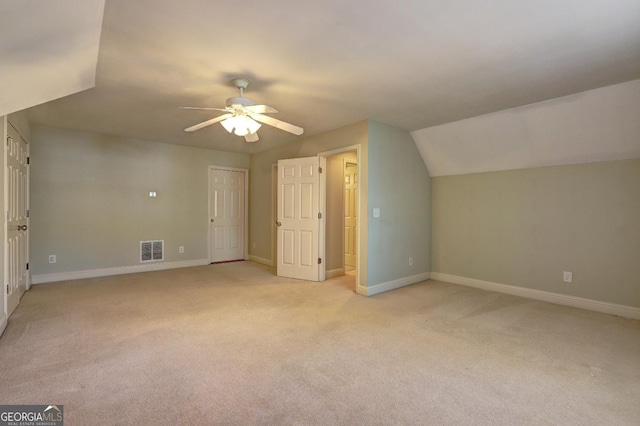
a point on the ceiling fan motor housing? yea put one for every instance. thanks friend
(239, 101)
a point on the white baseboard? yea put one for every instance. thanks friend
(94, 273)
(3, 323)
(261, 260)
(392, 285)
(544, 296)
(334, 273)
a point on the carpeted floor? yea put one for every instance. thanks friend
(232, 344)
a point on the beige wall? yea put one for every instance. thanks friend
(90, 204)
(525, 227)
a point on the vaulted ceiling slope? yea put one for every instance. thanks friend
(411, 64)
(48, 49)
(598, 125)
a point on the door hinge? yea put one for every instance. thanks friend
(7, 288)
(27, 213)
(319, 215)
(27, 266)
(8, 140)
(319, 261)
(28, 160)
(319, 169)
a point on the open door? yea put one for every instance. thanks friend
(350, 215)
(17, 237)
(299, 219)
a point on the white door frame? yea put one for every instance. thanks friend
(323, 195)
(246, 209)
(274, 214)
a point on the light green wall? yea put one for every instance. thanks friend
(400, 186)
(90, 204)
(525, 227)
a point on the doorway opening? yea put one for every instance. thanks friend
(339, 206)
(342, 207)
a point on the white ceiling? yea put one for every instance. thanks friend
(411, 64)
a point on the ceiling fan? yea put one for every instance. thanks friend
(243, 116)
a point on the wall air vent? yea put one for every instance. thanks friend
(151, 251)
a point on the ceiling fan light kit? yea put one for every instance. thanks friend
(242, 124)
(243, 116)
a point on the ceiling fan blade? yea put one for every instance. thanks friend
(205, 108)
(261, 109)
(279, 124)
(251, 137)
(208, 123)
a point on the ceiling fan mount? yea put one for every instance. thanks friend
(240, 82)
(243, 117)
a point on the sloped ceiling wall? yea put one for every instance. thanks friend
(48, 49)
(598, 125)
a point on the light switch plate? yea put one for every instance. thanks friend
(376, 212)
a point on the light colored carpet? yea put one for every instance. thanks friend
(233, 344)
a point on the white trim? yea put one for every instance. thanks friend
(392, 285)
(334, 273)
(120, 270)
(3, 323)
(274, 214)
(261, 260)
(322, 208)
(246, 208)
(5, 202)
(544, 296)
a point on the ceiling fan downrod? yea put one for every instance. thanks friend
(241, 84)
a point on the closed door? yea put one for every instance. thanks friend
(350, 214)
(298, 219)
(227, 215)
(17, 248)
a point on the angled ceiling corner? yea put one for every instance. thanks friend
(48, 50)
(593, 126)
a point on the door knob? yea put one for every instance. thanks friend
(278, 223)
(22, 228)
(212, 220)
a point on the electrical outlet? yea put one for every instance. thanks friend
(411, 261)
(567, 277)
(52, 258)
(181, 249)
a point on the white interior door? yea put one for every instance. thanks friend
(17, 246)
(350, 214)
(298, 219)
(227, 215)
